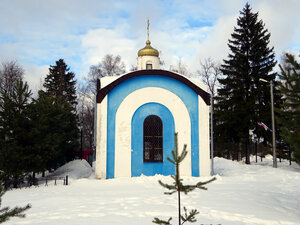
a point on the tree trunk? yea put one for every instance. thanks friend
(240, 152)
(256, 151)
(247, 151)
(179, 207)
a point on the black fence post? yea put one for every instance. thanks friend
(290, 156)
(64, 179)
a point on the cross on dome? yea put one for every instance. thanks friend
(148, 50)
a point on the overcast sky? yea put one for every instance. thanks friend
(36, 33)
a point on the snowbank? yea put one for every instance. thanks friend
(255, 194)
(75, 169)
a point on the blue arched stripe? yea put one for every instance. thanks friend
(138, 167)
(120, 92)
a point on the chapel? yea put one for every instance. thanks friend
(137, 114)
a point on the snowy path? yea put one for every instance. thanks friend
(242, 194)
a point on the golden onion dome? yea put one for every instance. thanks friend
(148, 50)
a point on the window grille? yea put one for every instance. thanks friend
(148, 66)
(153, 139)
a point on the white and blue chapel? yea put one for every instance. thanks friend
(137, 115)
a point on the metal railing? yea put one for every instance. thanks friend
(64, 179)
(47, 180)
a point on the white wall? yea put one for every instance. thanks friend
(101, 145)
(204, 149)
(123, 126)
(147, 59)
(123, 130)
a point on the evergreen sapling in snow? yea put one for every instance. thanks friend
(6, 212)
(178, 187)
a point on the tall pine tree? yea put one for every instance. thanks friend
(243, 100)
(60, 84)
(290, 109)
(15, 148)
(53, 133)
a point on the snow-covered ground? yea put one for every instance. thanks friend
(242, 194)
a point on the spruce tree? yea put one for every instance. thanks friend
(178, 187)
(54, 132)
(44, 134)
(290, 108)
(60, 83)
(243, 100)
(6, 213)
(15, 149)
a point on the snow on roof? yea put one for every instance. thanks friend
(107, 80)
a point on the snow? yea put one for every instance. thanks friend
(242, 194)
(76, 169)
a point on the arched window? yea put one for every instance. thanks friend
(153, 139)
(148, 66)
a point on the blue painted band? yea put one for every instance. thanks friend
(138, 167)
(120, 92)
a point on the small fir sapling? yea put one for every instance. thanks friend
(6, 212)
(178, 186)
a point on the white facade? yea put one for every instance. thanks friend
(124, 105)
(148, 59)
(179, 107)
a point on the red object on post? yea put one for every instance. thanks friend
(87, 154)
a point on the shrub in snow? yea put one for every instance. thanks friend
(6, 213)
(178, 186)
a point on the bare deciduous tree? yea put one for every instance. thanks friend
(180, 68)
(161, 62)
(85, 109)
(209, 73)
(133, 68)
(109, 66)
(10, 73)
(112, 65)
